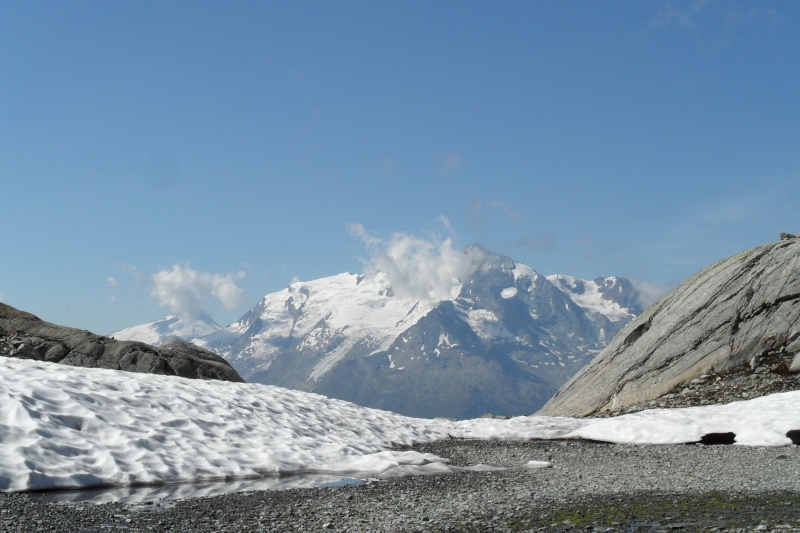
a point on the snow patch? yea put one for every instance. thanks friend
(508, 292)
(485, 324)
(586, 294)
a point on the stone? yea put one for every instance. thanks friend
(787, 236)
(25, 336)
(718, 320)
(795, 365)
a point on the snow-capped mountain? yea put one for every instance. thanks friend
(158, 331)
(505, 341)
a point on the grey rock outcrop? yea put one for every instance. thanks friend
(738, 315)
(25, 336)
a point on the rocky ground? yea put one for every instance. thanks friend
(590, 487)
(764, 375)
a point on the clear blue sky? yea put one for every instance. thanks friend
(645, 139)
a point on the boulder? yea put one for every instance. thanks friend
(25, 336)
(732, 316)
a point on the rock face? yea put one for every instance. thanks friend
(739, 316)
(25, 336)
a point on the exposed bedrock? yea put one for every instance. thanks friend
(735, 314)
(25, 336)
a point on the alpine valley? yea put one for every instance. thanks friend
(503, 342)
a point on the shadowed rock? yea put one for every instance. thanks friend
(25, 336)
(733, 314)
(710, 439)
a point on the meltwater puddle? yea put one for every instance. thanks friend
(177, 491)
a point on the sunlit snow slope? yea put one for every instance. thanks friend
(158, 331)
(327, 319)
(78, 427)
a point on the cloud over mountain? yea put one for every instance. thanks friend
(185, 291)
(418, 268)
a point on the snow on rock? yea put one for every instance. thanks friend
(508, 292)
(592, 296)
(65, 427)
(485, 323)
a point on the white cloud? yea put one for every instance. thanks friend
(418, 268)
(185, 291)
(2, 299)
(649, 292)
(445, 222)
(370, 239)
(112, 281)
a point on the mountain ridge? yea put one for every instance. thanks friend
(158, 331)
(503, 343)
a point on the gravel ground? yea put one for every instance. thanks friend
(591, 486)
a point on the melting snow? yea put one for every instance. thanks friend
(65, 427)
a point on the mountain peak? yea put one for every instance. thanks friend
(158, 331)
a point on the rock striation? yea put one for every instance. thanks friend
(26, 336)
(738, 318)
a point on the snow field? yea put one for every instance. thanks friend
(66, 427)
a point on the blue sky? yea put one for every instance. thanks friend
(236, 142)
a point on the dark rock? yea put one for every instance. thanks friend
(718, 438)
(742, 309)
(25, 336)
(787, 236)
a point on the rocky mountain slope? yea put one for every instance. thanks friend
(25, 336)
(731, 331)
(503, 343)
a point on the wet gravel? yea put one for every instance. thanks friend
(591, 487)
